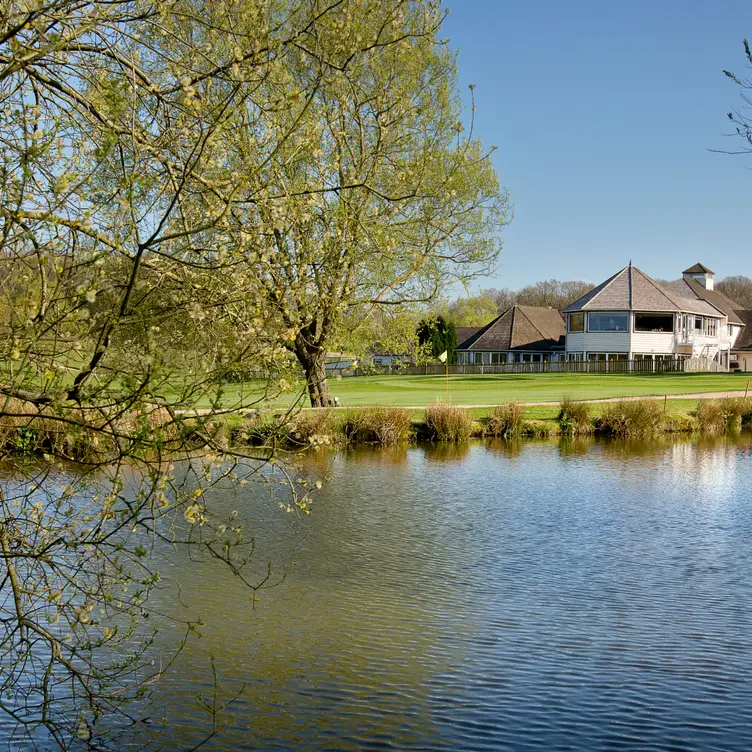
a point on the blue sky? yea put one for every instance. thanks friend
(604, 115)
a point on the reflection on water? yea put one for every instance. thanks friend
(564, 594)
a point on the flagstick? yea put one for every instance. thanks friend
(446, 366)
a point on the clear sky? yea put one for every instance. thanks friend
(604, 114)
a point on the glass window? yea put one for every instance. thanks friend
(698, 323)
(576, 322)
(654, 322)
(608, 322)
(596, 356)
(617, 356)
(711, 327)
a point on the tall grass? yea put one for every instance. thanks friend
(718, 415)
(574, 417)
(448, 423)
(507, 420)
(377, 425)
(631, 418)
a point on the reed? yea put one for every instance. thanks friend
(631, 418)
(448, 423)
(506, 421)
(574, 417)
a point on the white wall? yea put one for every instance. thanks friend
(598, 342)
(653, 342)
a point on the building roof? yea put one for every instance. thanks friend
(698, 269)
(744, 341)
(520, 328)
(632, 290)
(692, 288)
(464, 333)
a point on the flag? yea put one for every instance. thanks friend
(443, 356)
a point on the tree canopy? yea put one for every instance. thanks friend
(189, 188)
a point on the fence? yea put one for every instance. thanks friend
(679, 365)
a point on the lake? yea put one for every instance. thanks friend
(572, 595)
(541, 596)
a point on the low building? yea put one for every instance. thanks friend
(741, 352)
(632, 316)
(522, 334)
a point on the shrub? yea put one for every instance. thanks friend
(315, 428)
(680, 422)
(574, 417)
(448, 423)
(506, 420)
(381, 425)
(631, 418)
(540, 428)
(717, 415)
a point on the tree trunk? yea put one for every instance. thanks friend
(314, 365)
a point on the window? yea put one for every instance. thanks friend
(698, 323)
(654, 322)
(617, 356)
(608, 322)
(576, 356)
(596, 356)
(711, 327)
(576, 322)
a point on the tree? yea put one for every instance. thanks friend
(375, 198)
(742, 123)
(552, 293)
(438, 335)
(476, 310)
(481, 309)
(739, 289)
(123, 308)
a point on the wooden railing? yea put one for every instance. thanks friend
(685, 365)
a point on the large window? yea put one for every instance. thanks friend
(711, 327)
(576, 322)
(608, 322)
(654, 322)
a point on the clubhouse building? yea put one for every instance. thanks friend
(628, 317)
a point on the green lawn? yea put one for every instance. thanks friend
(495, 389)
(550, 387)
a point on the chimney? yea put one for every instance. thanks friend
(702, 274)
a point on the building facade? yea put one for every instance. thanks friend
(631, 316)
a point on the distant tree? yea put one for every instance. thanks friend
(739, 289)
(479, 310)
(438, 335)
(504, 298)
(552, 293)
(476, 310)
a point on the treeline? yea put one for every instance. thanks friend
(478, 310)
(739, 289)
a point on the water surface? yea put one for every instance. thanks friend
(535, 596)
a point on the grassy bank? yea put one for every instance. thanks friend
(449, 423)
(30, 433)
